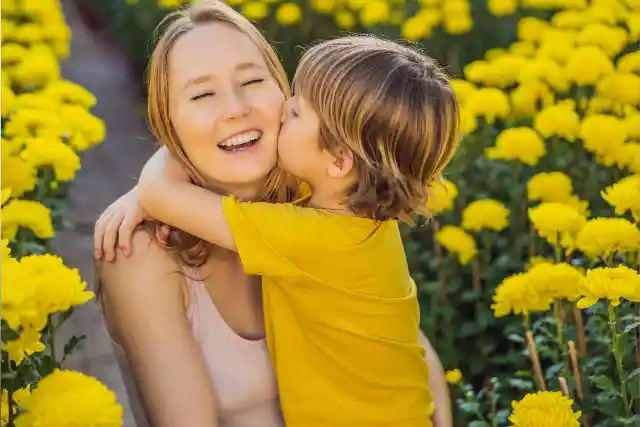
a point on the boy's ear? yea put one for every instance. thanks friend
(341, 165)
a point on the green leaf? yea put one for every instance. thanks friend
(516, 338)
(478, 423)
(46, 365)
(502, 416)
(520, 384)
(603, 383)
(611, 406)
(470, 407)
(71, 346)
(553, 370)
(631, 327)
(629, 421)
(633, 374)
(633, 384)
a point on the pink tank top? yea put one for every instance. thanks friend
(240, 369)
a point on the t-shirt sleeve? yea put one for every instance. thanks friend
(268, 235)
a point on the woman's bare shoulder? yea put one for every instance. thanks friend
(146, 257)
(147, 271)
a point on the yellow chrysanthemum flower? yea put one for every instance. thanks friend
(544, 409)
(67, 398)
(28, 342)
(624, 196)
(609, 283)
(87, 130)
(17, 175)
(600, 65)
(468, 122)
(58, 286)
(557, 281)
(554, 187)
(255, 10)
(629, 63)
(18, 398)
(52, 152)
(632, 125)
(490, 103)
(520, 143)
(558, 120)
(462, 89)
(528, 97)
(601, 237)
(18, 292)
(485, 214)
(516, 295)
(602, 133)
(453, 376)
(26, 214)
(621, 88)
(610, 39)
(531, 28)
(288, 14)
(443, 194)
(455, 240)
(544, 70)
(557, 223)
(66, 92)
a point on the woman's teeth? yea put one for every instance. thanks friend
(240, 142)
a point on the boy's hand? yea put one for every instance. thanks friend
(116, 226)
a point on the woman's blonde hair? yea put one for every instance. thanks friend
(278, 187)
(391, 107)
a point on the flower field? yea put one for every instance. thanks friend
(529, 274)
(46, 122)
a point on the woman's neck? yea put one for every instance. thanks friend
(241, 191)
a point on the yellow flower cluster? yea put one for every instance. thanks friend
(537, 289)
(453, 16)
(624, 196)
(442, 197)
(45, 122)
(68, 398)
(536, 78)
(453, 376)
(485, 214)
(544, 409)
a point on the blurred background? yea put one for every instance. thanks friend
(549, 92)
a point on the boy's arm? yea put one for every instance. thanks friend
(168, 195)
(442, 416)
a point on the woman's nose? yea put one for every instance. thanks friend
(235, 107)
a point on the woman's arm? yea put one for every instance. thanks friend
(442, 416)
(144, 305)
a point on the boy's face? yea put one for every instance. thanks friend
(299, 151)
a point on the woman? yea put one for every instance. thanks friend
(202, 361)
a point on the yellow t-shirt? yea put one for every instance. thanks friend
(341, 315)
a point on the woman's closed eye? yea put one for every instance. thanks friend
(253, 81)
(202, 95)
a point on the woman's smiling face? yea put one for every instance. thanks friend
(225, 106)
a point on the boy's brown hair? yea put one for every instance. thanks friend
(393, 108)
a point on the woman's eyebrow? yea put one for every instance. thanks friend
(207, 77)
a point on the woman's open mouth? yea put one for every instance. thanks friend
(241, 142)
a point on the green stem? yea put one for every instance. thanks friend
(10, 402)
(617, 354)
(52, 339)
(559, 325)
